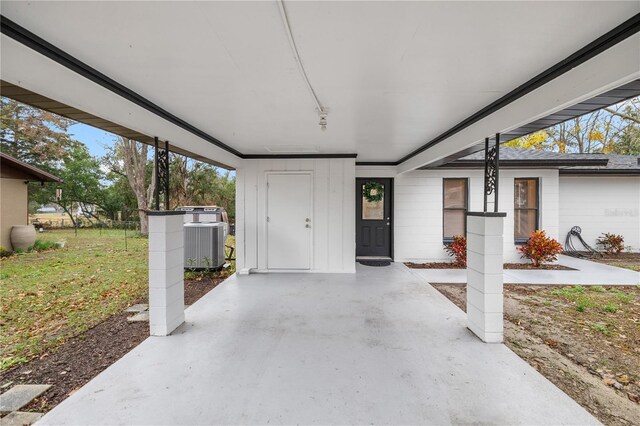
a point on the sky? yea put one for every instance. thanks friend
(95, 139)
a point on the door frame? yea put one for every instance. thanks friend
(266, 214)
(391, 202)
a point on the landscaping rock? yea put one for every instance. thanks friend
(140, 307)
(19, 396)
(139, 317)
(20, 418)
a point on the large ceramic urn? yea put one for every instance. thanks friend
(22, 236)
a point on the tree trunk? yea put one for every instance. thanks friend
(134, 158)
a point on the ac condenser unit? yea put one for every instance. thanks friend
(204, 245)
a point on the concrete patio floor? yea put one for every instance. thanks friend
(377, 347)
(588, 273)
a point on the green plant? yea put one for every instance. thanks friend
(41, 245)
(11, 361)
(4, 252)
(540, 249)
(611, 243)
(458, 249)
(601, 328)
(610, 307)
(570, 292)
(622, 296)
(18, 251)
(598, 289)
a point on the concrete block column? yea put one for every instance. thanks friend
(485, 275)
(166, 271)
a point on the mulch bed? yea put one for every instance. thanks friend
(434, 265)
(83, 357)
(546, 267)
(450, 265)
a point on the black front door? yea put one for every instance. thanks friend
(374, 207)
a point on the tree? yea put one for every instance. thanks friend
(33, 135)
(615, 129)
(131, 159)
(82, 187)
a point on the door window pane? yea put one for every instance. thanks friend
(372, 210)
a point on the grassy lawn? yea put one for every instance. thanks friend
(49, 296)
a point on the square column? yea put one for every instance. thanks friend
(485, 275)
(166, 271)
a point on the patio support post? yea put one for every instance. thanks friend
(485, 275)
(166, 271)
(485, 256)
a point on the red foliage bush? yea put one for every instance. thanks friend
(611, 243)
(540, 248)
(458, 249)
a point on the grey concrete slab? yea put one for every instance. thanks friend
(19, 396)
(381, 346)
(586, 273)
(20, 418)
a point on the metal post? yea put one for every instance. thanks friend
(486, 171)
(495, 206)
(157, 185)
(166, 178)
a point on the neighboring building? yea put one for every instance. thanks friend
(14, 176)
(538, 190)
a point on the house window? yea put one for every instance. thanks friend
(455, 203)
(525, 208)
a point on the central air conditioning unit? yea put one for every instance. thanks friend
(204, 246)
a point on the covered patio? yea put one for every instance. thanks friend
(302, 99)
(380, 346)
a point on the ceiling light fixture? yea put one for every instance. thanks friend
(322, 111)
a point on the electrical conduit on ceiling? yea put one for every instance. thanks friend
(321, 110)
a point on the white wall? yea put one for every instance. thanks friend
(333, 212)
(601, 204)
(418, 209)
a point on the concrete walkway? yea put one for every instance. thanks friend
(377, 347)
(588, 273)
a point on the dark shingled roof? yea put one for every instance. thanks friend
(568, 163)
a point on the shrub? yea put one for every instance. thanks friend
(611, 243)
(540, 248)
(4, 252)
(458, 249)
(41, 245)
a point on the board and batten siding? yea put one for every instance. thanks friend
(599, 204)
(418, 208)
(333, 220)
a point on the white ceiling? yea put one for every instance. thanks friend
(393, 74)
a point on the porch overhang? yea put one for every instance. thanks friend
(243, 98)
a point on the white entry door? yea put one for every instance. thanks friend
(289, 226)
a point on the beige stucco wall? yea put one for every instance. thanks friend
(13, 207)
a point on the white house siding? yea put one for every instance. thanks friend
(418, 208)
(599, 204)
(333, 212)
